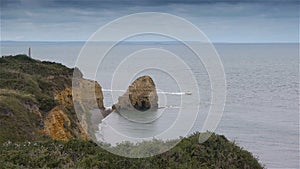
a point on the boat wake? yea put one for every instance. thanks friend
(167, 93)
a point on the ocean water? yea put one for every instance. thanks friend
(261, 112)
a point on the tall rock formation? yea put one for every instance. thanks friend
(141, 95)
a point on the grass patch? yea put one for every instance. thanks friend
(216, 152)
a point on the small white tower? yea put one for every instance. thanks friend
(29, 52)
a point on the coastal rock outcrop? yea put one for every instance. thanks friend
(36, 101)
(88, 103)
(57, 123)
(141, 95)
(88, 92)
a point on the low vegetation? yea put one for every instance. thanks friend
(216, 152)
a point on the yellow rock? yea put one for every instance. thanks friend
(58, 126)
(141, 95)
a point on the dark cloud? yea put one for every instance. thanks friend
(78, 19)
(6, 3)
(118, 3)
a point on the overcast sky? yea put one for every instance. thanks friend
(221, 20)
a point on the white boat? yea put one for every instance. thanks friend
(188, 93)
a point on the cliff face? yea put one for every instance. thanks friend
(141, 96)
(58, 124)
(88, 92)
(36, 101)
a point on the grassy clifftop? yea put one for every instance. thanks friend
(36, 100)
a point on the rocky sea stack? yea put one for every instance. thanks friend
(141, 95)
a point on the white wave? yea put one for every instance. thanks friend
(172, 93)
(110, 90)
(167, 93)
(169, 107)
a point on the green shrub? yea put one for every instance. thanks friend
(46, 103)
(216, 152)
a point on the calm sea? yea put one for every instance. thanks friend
(262, 107)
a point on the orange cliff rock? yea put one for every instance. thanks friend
(58, 122)
(58, 126)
